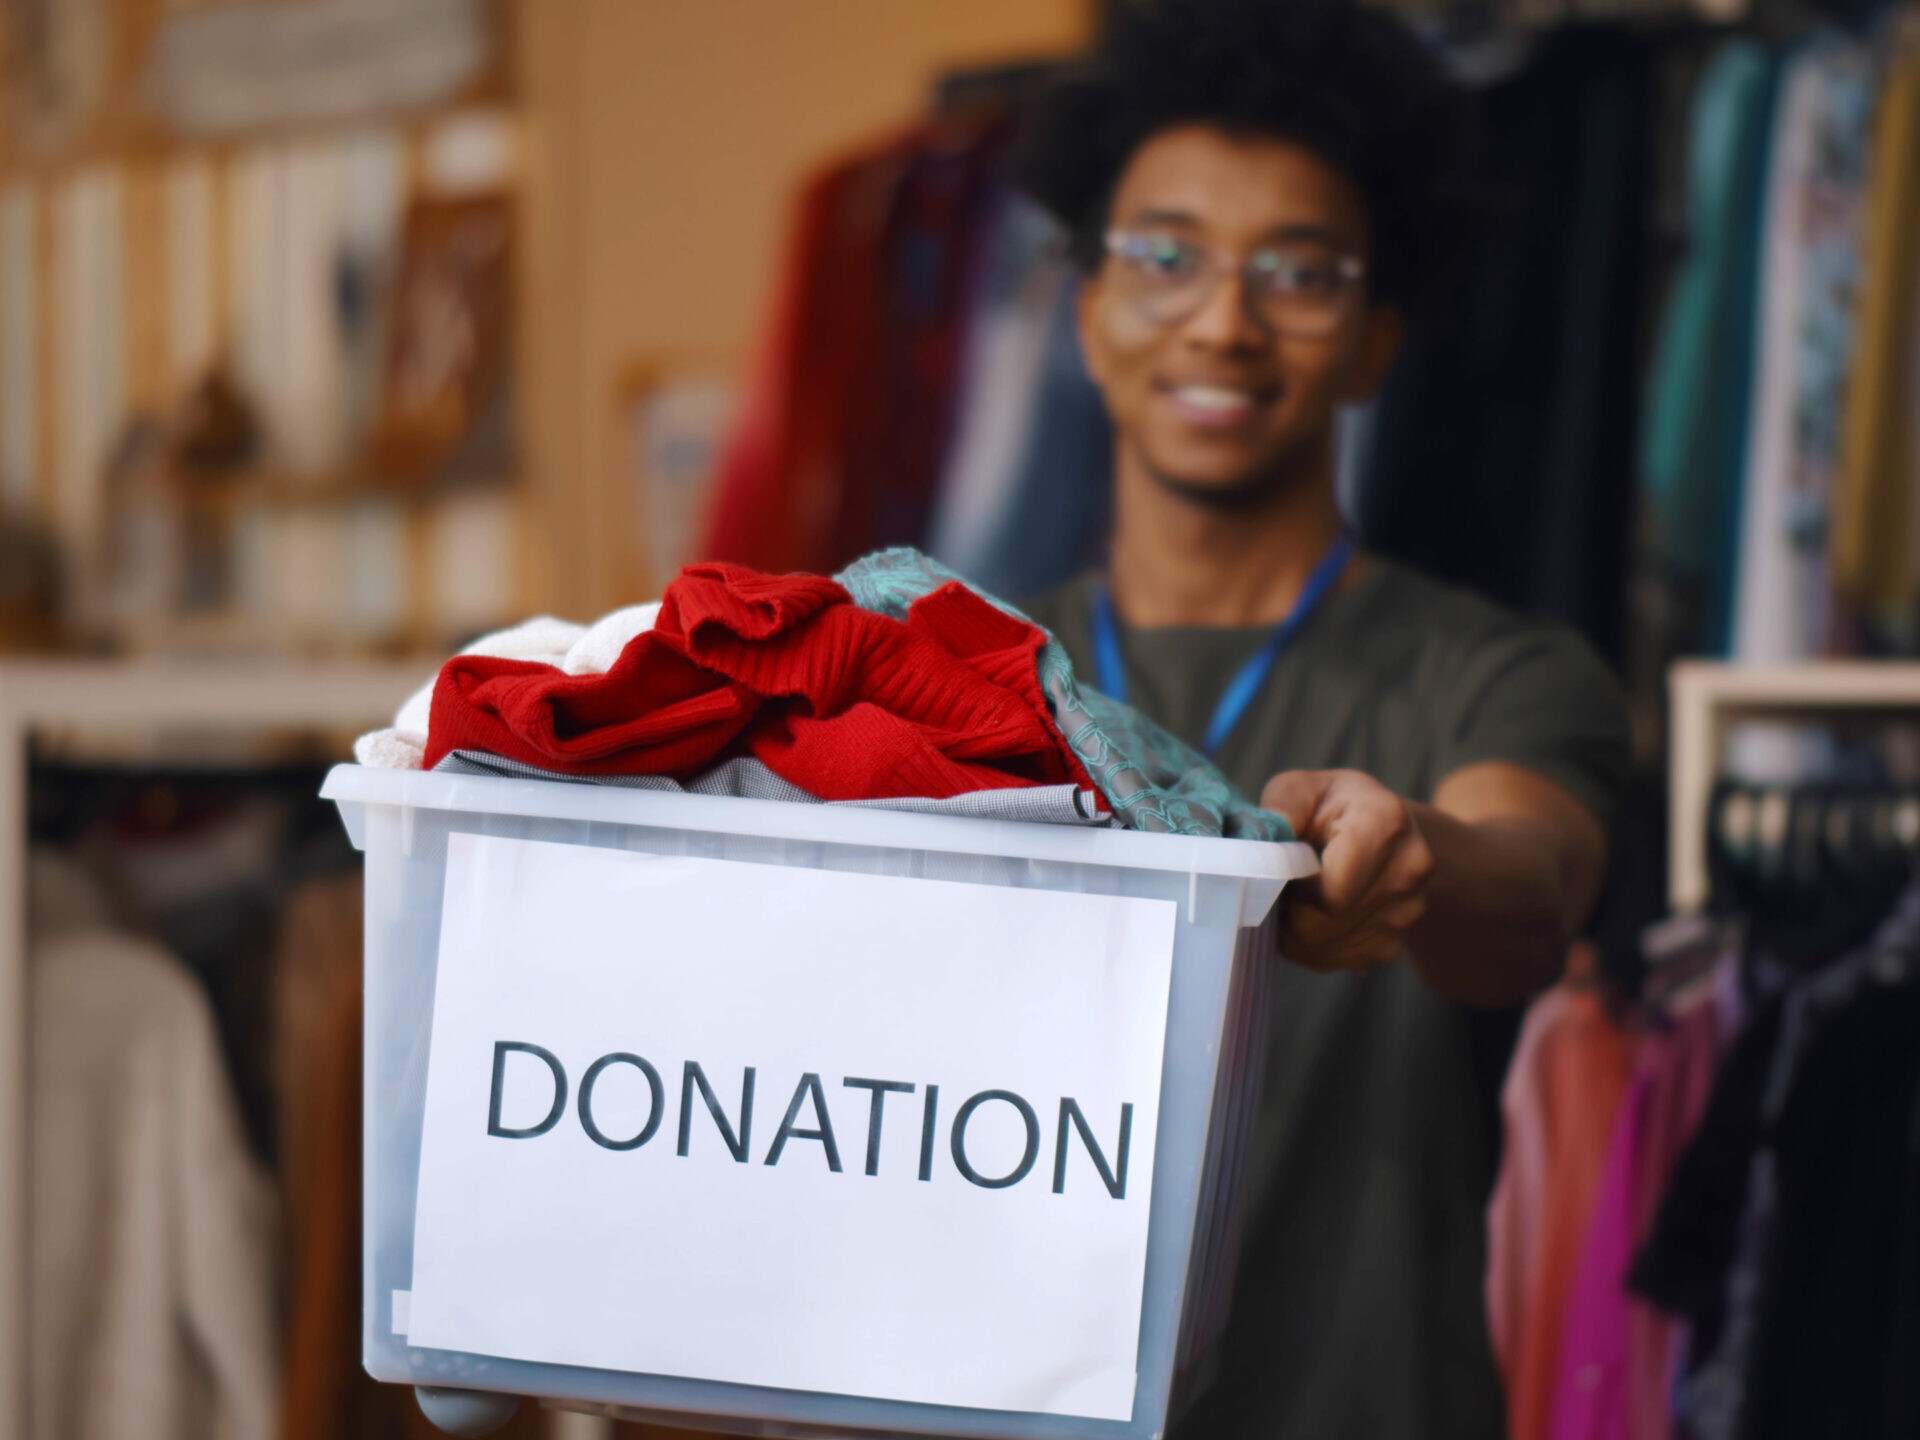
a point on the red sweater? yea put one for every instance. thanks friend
(845, 703)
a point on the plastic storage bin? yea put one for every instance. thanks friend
(1224, 889)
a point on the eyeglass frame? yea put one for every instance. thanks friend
(1351, 268)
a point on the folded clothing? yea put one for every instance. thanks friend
(743, 777)
(845, 703)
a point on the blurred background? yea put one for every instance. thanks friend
(397, 283)
(334, 333)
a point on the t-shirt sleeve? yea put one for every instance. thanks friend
(1538, 697)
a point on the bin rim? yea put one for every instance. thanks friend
(1270, 861)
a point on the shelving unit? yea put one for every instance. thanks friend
(81, 697)
(1707, 698)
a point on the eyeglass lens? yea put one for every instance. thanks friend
(1299, 288)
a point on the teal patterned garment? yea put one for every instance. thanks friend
(1152, 781)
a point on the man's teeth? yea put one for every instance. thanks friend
(1213, 397)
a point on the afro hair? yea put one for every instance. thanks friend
(1346, 80)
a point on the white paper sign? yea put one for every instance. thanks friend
(938, 1239)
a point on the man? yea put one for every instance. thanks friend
(1251, 186)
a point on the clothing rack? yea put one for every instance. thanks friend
(1706, 698)
(83, 698)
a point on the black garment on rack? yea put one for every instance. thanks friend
(1790, 1233)
(1502, 451)
(1503, 454)
(1827, 1359)
(1683, 1266)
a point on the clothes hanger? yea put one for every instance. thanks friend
(1811, 869)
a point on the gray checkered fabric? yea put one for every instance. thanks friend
(750, 779)
(1039, 804)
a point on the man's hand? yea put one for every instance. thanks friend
(1482, 889)
(1375, 865)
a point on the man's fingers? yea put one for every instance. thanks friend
(1362, 950)
(1348, 868)
(1311, 922)
(1375, 856)
(1364, 836)
(1412, 865)
(1296, 795)
(1403, 915)
(1355, 938)
(1374, 869)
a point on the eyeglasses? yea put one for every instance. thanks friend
(1298, 288)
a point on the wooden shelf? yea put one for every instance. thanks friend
(1705, 698)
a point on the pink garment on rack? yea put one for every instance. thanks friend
(1591, 1389)
(1560, 1101)
(1683, 1065)
(1617, 1362)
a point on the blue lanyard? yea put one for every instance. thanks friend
(1252, 675)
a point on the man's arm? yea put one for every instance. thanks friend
(1483, 888)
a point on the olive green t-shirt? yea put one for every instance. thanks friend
(1358, 1310)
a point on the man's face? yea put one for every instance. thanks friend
(1234, 400)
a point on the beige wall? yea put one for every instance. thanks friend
(666, 139)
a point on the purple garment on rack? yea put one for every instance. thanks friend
(1767, 1241)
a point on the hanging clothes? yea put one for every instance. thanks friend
(151, 1283)
(900, 427)
(846, 422)
(1008, 327)
(1693, 442)
(1502, 451)
(778, 473)
(1024, 499)
(1816, 193)
(1683, 1264)
(1561, 1101)
(1791, 1233)
(1619, 1357)
(1836, 1334)
(1874, 516)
